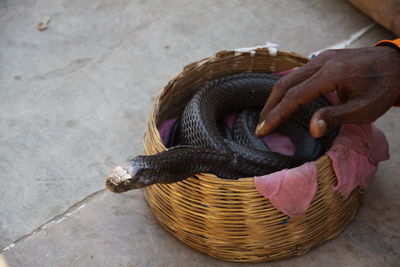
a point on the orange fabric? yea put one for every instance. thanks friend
(393, 43)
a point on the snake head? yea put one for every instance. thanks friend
(127, 177)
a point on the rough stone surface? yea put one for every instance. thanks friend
(371, 37)
(74, 101)
(119, 230)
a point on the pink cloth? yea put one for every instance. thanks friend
(280, 143)
(355, 155)
(165, 130)
(291, 190)
(230, 119)
(276, 142)
(356, 152)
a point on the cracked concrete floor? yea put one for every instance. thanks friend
(74, 101)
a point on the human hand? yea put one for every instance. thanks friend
(367, 81)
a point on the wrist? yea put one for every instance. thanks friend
(396, 45)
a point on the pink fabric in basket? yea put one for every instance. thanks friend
(276, 142)
(291, 190)
(355, 155)
(165, 130)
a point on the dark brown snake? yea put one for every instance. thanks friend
(230, 155)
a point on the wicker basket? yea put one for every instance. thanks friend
(229, 219)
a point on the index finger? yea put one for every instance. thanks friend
(295, 97)
(284, 84)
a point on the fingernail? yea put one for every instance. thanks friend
(321, 127)
(259, 127)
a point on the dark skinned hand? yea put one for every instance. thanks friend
(367, 81)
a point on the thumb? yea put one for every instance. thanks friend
(328, 118)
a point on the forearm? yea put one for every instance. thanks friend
(385, 13)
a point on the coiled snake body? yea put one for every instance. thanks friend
(208, 150)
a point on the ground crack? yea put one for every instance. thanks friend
(347, 42)
(59, 218)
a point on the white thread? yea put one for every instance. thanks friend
(272, 49)
(345, 43)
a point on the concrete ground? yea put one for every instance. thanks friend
(74, 101)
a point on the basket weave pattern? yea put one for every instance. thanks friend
(229, 219)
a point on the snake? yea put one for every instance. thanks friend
(209, 146)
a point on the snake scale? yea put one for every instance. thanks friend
(228, 154)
